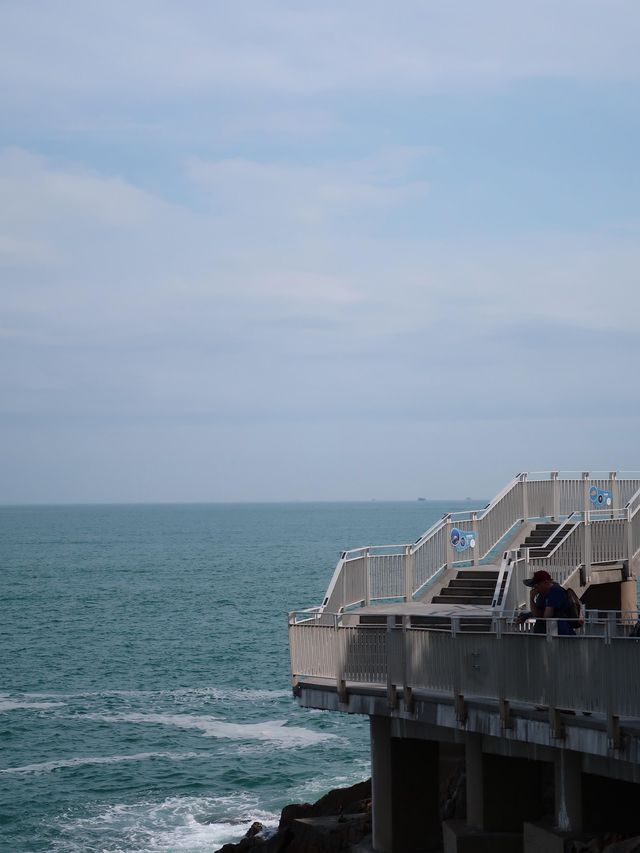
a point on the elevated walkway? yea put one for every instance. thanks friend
(424, 638)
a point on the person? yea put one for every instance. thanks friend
(549, 600)
(535, 612)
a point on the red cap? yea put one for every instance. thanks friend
(537, 578)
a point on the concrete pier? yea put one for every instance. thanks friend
(431, 640)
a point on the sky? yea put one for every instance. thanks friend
(273, 251)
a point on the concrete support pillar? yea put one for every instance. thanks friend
(405, 782)
(568, 788)
(475, 785)
(415, 791)
(629, 599)
(381, 786)
(501, 792)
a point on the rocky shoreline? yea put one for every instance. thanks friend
(336, 822)
(340, 822)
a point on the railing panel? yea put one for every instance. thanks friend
(571, 495)
(539, 498)
(568, 555)
(597, 671)
(608, 541)
(499, 519)
(364, 654)
(429, 557)
(313, 650)
(627, 489)
(354, 582)
(386, 575)
(528, 668)
(635, 533)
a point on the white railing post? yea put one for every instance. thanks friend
(408, 574)
(448, 545)
(525, 497)
(392, 693)
(367, 579)
(341, 686)
(615, 491)
(585, 492)
(477, 550)
(587, 525)
(556, 495)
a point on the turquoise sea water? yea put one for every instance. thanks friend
(144, 672)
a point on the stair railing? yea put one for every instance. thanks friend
(404, 571)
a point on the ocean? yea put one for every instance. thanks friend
(145, 700)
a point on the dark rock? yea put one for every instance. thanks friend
(250, 841)
(333, 823)
(294, 811)
(356, 798)
(254, 829)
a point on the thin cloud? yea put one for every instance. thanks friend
(162, 50)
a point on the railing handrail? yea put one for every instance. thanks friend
(569, 533)
(629, 505)
(482, 513)
(589, 617)
(580, 475)
(478, 515)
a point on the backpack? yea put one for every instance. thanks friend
(574, 609)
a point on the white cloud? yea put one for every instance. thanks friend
(128, 309)
(285, 192)
(163, 50)
(102, 260)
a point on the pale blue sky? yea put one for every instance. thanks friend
(339, 250)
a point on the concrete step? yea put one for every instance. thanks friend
(465, 592)
(477, 574)
(462, 599)
(470, 583)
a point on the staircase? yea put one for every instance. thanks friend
(470, 586)
(539, 535)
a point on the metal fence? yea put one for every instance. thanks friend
(598, 670)
(376, 573)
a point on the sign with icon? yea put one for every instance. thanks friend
(600, 498)
(462, 539)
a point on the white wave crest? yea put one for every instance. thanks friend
(8, 704)
(276, 731)
(215, 693)
(48, 766)
(176, 825)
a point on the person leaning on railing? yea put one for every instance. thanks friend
(552, 599)
(536, 612)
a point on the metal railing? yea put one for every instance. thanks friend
(391, 572)
(597, 670)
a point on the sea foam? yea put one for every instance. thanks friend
(175, 825)
(275, 731)
(8, 704)
(48, 766)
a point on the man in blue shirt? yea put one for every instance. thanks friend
(555, 600)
